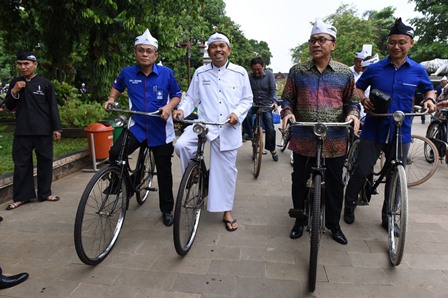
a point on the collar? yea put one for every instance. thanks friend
(225, 65)
(331, 64)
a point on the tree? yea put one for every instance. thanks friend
(353, 33)
(431, 30)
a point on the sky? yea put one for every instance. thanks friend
(284, 24)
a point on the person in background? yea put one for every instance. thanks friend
(356, 69)
(264, 90)
(320, 89)
(441, 86)
(397, 76)
(150, 87)
(220, 90)
(33, 99)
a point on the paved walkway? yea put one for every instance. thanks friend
(258, 260)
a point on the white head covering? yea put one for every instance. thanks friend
(146, 39)
(444, 79)
(361, 54)
(321, 27)
(218, 37)
(369, 61)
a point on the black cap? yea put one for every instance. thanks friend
(26, 55)
(400, 28)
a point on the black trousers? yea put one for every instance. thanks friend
(162, 156)
(334, 187)
(22, 156)
(368, 154)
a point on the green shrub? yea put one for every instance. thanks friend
(75, 113)
(65, 92)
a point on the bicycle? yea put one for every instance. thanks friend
(257, 139)
(102, 208)
(437, 132)
(420, 165)
(193, 190)
(315, 196)
(397, 212)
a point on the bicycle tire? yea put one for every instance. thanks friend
(286, 137)
(316, 224)
(352, 155)
(257, 154)
(188, 209)
(397, 215)
(100, 215)
(422, 161)
(147, 171)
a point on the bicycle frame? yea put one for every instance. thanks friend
(440, 134)
(393, 159)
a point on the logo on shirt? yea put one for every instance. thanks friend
(39, 91)
(206, 82)
(135, 82)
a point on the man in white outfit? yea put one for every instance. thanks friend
(220, 90)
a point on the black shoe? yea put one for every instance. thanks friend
(296, 231)
(274, 155)
(385, 226)
(338, 236)
(1, 218)
(349, 215)
(168, 218)
(11, 281)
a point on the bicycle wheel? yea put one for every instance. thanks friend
(437, 133)
(397, 215)
(316, 224)
(147, 171)
(286, 136)
(257, 151)
(100, 215)
(422, 161)
(352, 155)
(188, 208)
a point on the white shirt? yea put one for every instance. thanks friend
(355, 74)
(218, 92)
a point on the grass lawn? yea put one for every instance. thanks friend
(61, 147)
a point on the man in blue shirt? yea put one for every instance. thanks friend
(397, 76)
(150, 87)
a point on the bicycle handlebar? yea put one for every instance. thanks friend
(263, 107)
(404, 114)
(157, 113)
(202, 122)
(329, 124)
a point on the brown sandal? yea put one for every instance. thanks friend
(16, 205)
(52, 199)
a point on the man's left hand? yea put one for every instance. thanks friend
(430, 106)
(233, 119)
(56, 135)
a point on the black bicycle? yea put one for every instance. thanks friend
(193, 190)
(315, 195)
(437, 132)
(257, 138)
(393, 167)
(105, 200)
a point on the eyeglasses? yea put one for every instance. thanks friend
(400, 43)
(320, 40)
(148, 51)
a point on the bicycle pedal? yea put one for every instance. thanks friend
(151, 188)
(298, 214)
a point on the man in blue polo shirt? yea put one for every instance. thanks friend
(399, 77)
(150, 87)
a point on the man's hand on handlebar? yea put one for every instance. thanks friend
(430, 106)
(356, 122)
(286, 120)
(178, 114)
(233, 119)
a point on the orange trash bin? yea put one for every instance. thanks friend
(102, 139)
